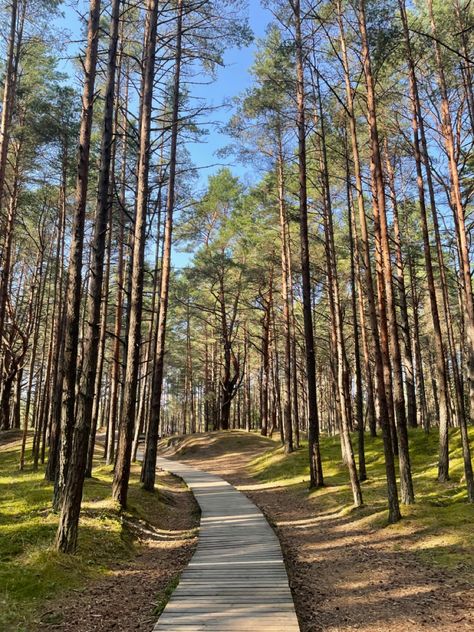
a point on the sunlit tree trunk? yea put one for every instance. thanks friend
(32, 364)
(355, 299)
(149, 464)
(463, 243)
(66, 537)
(127, 419)
(336, 315)
(5, 121)
(294, 350)
(440, 363)
(265, 372)
(316, 470)
(285, 293)
(67, 541)
(97, 401)
(388, 322)
(402, 298)
(58, 334)
(392, 492)
(417, 347)
(117, 339)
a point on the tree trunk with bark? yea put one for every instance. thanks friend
(127, 420)
(66, 536)
(463, 244)
(66, 541)
(316, 469)
(151, 447)
(392, 492)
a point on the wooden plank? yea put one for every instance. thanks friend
(236, 581)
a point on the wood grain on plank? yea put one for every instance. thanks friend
(236, 581)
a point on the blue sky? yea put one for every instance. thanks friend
(231, 80)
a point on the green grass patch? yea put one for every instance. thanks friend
(31, 571)
(438, 527)
(164, 596)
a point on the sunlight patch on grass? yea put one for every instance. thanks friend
(31, 571)
(438, 527)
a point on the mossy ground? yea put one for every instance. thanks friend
(438, 527)
(31, 571)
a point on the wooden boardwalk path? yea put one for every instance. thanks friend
(236, 580)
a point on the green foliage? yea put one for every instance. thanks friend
(208, 216)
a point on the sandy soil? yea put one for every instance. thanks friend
(344, 575)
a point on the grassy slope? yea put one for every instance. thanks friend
(30, 571)
(438, 527)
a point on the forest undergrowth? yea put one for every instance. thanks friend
(39, 584)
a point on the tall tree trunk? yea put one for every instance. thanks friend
(66, 537)
(316, 469)
(265, 382)
(117, 340)
(336, 313)
(9, 230)
(285, 292)
(42, 387)
(388, 321)
(7, 108)
(402, 299)
(67, 541)
(58, 335)
(144, 410)
(392, 492)
(463, 243)
(355, 261)
(97, 400)
(149, 465)
(294, 364)
(440, 363)
(34, 350)
(355, 298)
(127, 420)
(417, 346)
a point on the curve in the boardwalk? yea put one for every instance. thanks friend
(236, 580)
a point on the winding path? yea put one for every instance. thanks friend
(236, 581)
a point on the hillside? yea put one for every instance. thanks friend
(125, 561)
(348, 568)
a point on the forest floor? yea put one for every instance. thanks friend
(126, 565)
(348, 569)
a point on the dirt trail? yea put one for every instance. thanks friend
(344, 575)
